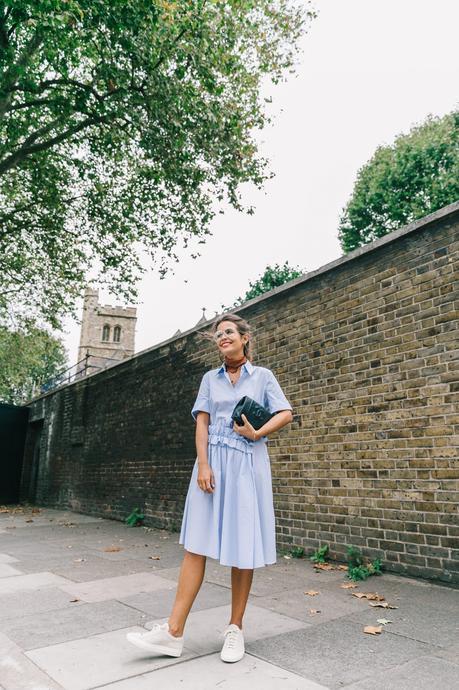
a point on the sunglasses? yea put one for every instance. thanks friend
(219, 334)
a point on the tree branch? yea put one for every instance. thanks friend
(14, 71)
(174, 42)
(32, 104)
(4, 218)
(27, 149)
(43, 85)
(8, 292)
(3, 31)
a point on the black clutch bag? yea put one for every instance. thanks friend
(255, 413)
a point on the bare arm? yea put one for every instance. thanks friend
(206, 479)
(279, 420)
(202, 436)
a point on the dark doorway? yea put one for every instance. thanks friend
(13, 428)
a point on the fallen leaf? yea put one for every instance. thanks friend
(384, 605)
(155, 558)
(343, 567)
(372, 629)
(73, 600)
(349, 585)
(368, 595)
(383, 621)
(113, 548)
(324, 566)
(311, 593)
(29, 520)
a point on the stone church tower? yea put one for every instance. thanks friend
(107, 333)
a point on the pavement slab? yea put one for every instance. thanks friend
(266, 581)
(24, 550)
(209, 672)
(88, 567)
(450, 653)
(18, 672)
(429, 616)
(6, 570)
(338, 652)
(158, 604)
(330, 602)
(115, 587)
(53, 627)
(417, 603)
(34, 581)
(18, 605)
(96, 660)
(425, 673)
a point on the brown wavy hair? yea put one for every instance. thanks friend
(242, 326)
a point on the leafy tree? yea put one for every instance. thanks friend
(273, 277)
(415, 176)
(28, 356)
(124, 125)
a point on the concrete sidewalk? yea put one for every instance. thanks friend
(72, 586)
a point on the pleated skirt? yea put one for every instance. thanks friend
(236, 523)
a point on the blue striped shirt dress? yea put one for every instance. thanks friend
(235, 524)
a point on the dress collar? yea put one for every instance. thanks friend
(248, 367)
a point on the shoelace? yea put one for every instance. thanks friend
(156, 626)
(231, 636)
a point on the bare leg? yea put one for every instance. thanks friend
(241, 581)
(190, 580)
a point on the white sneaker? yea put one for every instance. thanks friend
(158, 639)
(233, 647)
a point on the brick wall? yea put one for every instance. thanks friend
(366, 350)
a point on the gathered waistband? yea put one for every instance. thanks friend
(222, 432)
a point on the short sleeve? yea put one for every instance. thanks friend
(274, 395)
(202, 403)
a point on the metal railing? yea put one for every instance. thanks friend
(77, 371)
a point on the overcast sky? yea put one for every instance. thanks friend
(369, 70)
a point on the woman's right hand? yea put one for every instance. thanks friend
(206, 479)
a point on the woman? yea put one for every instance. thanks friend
(229, 512)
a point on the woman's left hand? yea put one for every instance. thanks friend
(246, 429)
